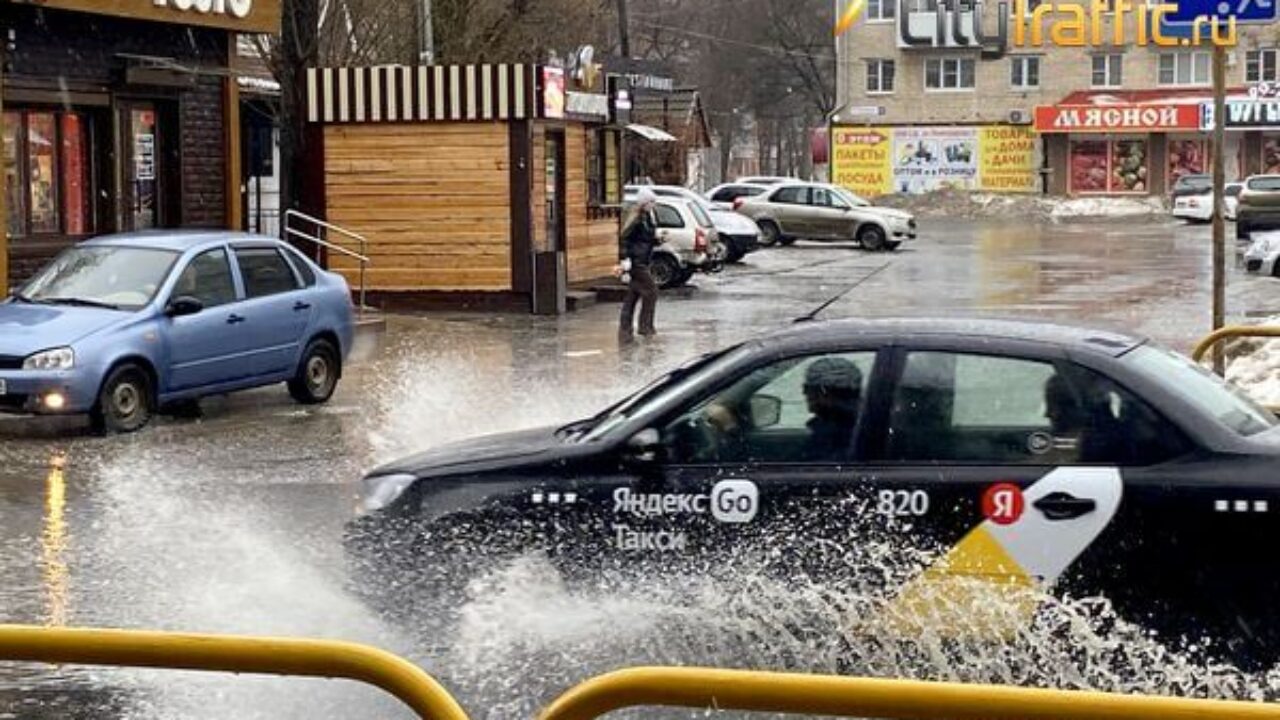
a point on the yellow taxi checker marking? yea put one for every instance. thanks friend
(989, 585)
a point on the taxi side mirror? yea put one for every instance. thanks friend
(643, 447)
(766, 411)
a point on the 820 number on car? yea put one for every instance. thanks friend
(903, 503)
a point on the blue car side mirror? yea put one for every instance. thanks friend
(183, 305)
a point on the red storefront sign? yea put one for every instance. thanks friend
(1116, 118)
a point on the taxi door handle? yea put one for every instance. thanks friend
(1064, 506)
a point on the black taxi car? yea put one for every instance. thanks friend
(1090, 462)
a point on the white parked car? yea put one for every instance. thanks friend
(1199, 207)
(723, 197)
(685, 232)
(737, 234)
(1263, 255)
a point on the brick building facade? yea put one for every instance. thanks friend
(115, 122)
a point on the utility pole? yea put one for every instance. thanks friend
(624, 30)
(426, 34)
(1219, 180)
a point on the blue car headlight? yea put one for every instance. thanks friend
(63, 358)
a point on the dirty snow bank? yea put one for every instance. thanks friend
(960, 203)
(1254, 365)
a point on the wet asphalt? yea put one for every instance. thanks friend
(231, 521)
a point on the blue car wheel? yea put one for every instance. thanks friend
(125, 401)
(317, 375)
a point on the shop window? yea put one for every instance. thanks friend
(595, 168)
(1184, 68)
(612, 186)
(881, 9)
(47, 173)
(1108, 70)
(880, 76)
(949, 73)
(1186, 157)
(1115, 166)
(1260, 66)
(1024, 72)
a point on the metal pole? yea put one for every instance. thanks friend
(426, 34)
(624, 32)
(1219, 180)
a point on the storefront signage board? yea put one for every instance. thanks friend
(1244, 115)
(873, 161)
(248, 16)
(1116, 118)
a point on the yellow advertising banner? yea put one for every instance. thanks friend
(1008, 159)
(862, 160)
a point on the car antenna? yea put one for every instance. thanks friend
(812, 315)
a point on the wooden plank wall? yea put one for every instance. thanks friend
(539, 201)
(433, 199)
(593, 244)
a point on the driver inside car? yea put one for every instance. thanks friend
(833, 389)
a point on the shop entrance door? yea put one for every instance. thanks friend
(556, 236)
(141, 196)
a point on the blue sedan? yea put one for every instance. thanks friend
(119, 326)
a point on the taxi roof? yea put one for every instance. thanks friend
(1105, 342)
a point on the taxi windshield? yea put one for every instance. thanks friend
(666, 386)
(1208, 392)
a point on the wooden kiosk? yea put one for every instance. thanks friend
(475, 184)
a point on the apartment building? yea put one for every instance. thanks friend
(1104, 118)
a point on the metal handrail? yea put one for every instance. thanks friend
(706, 688)
(362, 256)
(233, 654)
(1231, 332)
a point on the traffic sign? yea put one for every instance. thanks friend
(1246, 12)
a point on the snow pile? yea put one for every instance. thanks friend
(960, 203)
(1254, 365)
(1105, 207)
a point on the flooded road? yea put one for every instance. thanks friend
(232, 522)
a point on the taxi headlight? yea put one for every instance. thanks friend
(63, 358)
(381, 491)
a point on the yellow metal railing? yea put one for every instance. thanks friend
(1232, 332)
(693, 688)
(861, 697)
(263, 656)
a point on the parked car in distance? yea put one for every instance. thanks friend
(818, 211)
(1259, 205)
(1193, 184)
(724, 196)
(767, 180)
(1198, 207)
(738, 234)
(119, 326)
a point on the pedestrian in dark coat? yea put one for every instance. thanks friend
(639, 237)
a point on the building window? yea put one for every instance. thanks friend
(1109, 166)
(924, 6)
(1024, 72)
(1184, 68)
(602, 167)
(46, 168)
(1260, 66)
(949, 73)
(1186, 157)
(1108, 70)
(882, 9)
(880, 76)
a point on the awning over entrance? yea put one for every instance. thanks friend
(651, 133)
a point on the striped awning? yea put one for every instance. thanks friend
(434, 93)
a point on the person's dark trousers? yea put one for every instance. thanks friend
(644, 290)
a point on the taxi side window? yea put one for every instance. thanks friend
(1116, 428)
(950, 407)
(977, 409)
(799, 410)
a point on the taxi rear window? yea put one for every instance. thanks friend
(1208, 392)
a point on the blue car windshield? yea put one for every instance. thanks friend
(121, 278)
